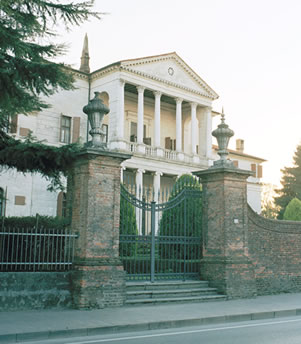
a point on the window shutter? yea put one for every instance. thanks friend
(259, 171)
(14, 124)
(76, 129)
(253, 168)
(167, 143)
(59, 208)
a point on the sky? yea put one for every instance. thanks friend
(248, 51)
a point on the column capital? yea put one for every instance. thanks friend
(157, 94)
(158, 173)
(140, 89)
(193, 105)
(140, 170)
(121, 82)
(179, 100)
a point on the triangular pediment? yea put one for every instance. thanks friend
(171, 69)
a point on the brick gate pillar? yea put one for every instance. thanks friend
(225, 261)
(98, 279)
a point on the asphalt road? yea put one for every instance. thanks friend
(276, 331)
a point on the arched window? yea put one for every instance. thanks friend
(2, 202)
(62, 204)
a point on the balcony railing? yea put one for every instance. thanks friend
(151, 151)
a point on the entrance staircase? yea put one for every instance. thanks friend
(161, 292)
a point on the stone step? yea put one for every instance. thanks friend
(171, 293)
(191, 299)
(135, 286)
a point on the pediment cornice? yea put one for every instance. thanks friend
(166, 82)
(130, 66)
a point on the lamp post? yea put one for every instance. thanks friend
(223, 134)
(96, 110)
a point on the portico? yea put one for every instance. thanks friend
(152, 124)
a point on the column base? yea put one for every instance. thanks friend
(196, 159)
(118, 144)
(98, 285)
(141, 148)
(180, 156)
(233, 277)
(159, 152)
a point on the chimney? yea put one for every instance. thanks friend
(240, 145)
(84, 65)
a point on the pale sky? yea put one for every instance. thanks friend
(248, 51)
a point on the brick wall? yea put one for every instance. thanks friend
(275, 250)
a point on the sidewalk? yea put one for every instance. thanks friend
(47, 324)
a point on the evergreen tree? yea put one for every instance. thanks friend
(27, 71)
(127, 226)
(291, 184)
(293, 210)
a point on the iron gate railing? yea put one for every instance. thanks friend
(161, 240)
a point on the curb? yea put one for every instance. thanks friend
(156, 325)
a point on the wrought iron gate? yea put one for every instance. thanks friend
(161, 240)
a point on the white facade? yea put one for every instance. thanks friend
(160, 111)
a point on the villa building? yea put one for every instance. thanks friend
(160, 112)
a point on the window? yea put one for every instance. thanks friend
(65, 129)
(14, 124)
(170, 143)
(62, 204)
(133, 132)
(2, 202)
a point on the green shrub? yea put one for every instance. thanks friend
(293, 210)
(30, 222)
(128, 227)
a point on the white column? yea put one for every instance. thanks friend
(157, 183)
(157, 118)
(157, 179)
(139, 182)
(193, 127)
(123, 168)
(140, 90)
(179, 124)
(208, 133)
(139, 192)
(121, 110)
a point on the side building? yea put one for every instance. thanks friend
(160, 111)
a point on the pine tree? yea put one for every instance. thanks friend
(291, 184)
(293, 210)
(27, 70)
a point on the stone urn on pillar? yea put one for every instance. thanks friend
(226, 263)
(223, 134)
(96, 110)
(98, 277)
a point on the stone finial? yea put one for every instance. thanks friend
(223, 134)
(84, 64)
(96, 110)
